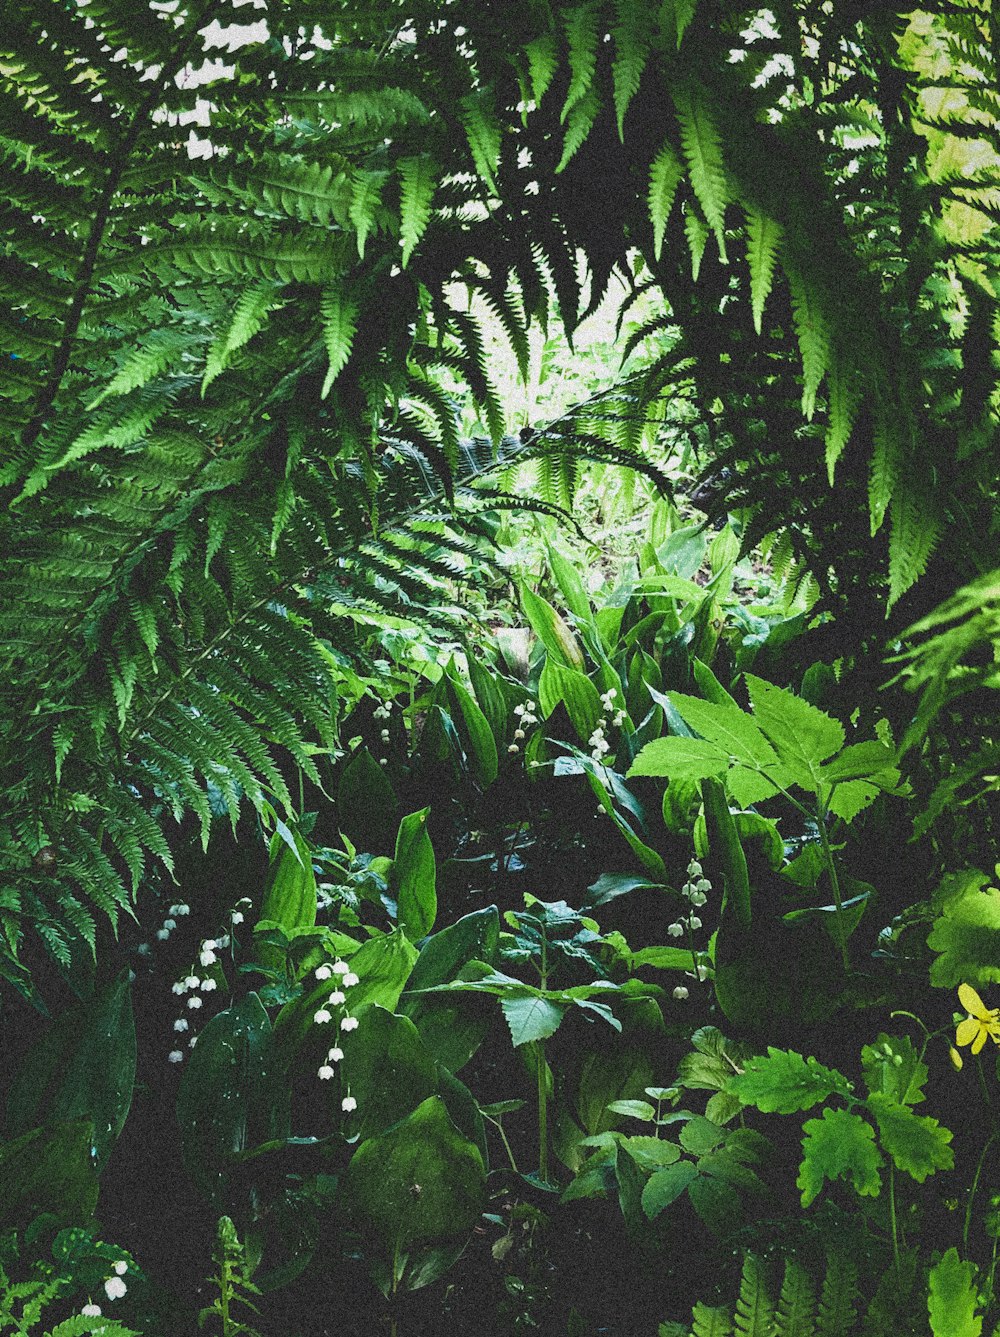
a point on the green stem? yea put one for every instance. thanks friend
(831, 869)
(503, 1138)
(892, 1217)
(543, 1116)
(972, 1193)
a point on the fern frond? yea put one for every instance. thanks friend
(796, 1303)
(754, 1315)
(763, 239)
(664, 177)
(702, 147)
(812, 332)
(837, 1309)
(582, 23)
(339, 311)
(417, 183)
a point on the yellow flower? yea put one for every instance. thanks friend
(980, 1023)
(956, 1058)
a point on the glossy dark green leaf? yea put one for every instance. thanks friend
(367, 804)
(453, 1026)
(413, 878)
(387, 1070)
(49, 1169)
(417, 1189)
(222, 1095)
(83, 1066)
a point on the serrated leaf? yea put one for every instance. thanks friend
(680, 759)
(664, 177)
(966, 935)
(953, 1298)
(903, 1081)
(917, 1143)
(803, 735)
(666, 1186)
(785, 1082)
(531, 1017)
(417, 181)
(763, 238)
(839, 1145)
(702, 147)
(728, 727)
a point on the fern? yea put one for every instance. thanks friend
(582, 24)
(483, 131)
(632, 33)
(706, 1322)
(417, 182)
(339, 311)
(796, 1303)
(837, 1307)
(754, 1316)
(763, 239)
(664, 177)
(813, 335)
(702, 146)
(233, 1278)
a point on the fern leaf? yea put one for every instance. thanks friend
(252, 308)
(482, 129)
(581, 36)
(696, 231)
(838, 1298)
(754, 1312)
(664, 178)
(339, 311)
(702, 147)
(707, 1322)
(763, 237)
(812, 333)
(417, 183)
(796, 1303)
(543, 61)
(366, 198)
(885, 467)
(159, 350)
(581, 120)
(631, 34)
(913, 535)
(844, 400)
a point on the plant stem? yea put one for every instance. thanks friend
(831, 869)
(543, 1117)
(972, 1192)
(892, 1217)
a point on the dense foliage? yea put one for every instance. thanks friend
(509, 832)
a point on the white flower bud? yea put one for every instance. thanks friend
(194, 1002)
(348, 1104)
(170, 924)
(675, 930)
(322, 1016)
(237, 917)
(115, 1288)
(325, 1073)
(162, 934)
(191, 982)
(323, 972)
(144, 949)
(175, 1056)
(350, 979)
(519, 734)
(519, 711)
(349, 1024)
(513, 748)
(384, 735)
(694, 868)
(335, 1054)
(179, 986)
(207, 959)
(680, 993)
(209, 985)
(703, 884)
(180, 1024)
(90, 1311)
(383, 761)
(694, 922)
(121, 1267)
(336, 998)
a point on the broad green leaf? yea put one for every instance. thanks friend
(366, 804)
(611, 885)
(864, 761)
(482, 748)
(966, 935)
(550, 629)
(892, 1067)
(847, 800)
(785, 1082)
(49, 1170)
(953, 1298)
(680, 759)
(651, 1153)
(84, 1066)
(386, 1068)
(490, 698)
(803, 735)
(581, 698)
(417, 1186)
(571, 587)
(666, 1186)
(413, 877)
(918, 1144)
(839, 1145)
(290, 895)
(747, 786)
(531, 1017)
(717, 1203)
(700, 1136)
(728, 727)
(634, 1109)
(453, 1027)
(223, 1091)
(607, 1078)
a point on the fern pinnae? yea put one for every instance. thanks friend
(418, 179)
(702, 147)
(763, 239)
(837, 1308)
(339, 312)
(812, 332)
(631, 36)
(250, 312)
(711, 1322)
(482, 130)
(581, 37)
(664, 177)
(796, 1303)
(754, 1316)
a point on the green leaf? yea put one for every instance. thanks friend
(531, 1017)
(581, 35)
(339, 312)
(699, 1136)
(664, 178)
(917, 1144)
(413, 877)
(680, 759)
(482, 746)
(384, 1044)
(709, 1322)
(702, 147)
(482, 129)
(84, 1066)
(290, 896)
(49, 1170)
(839, 1145)
(453, 1027)
(366, 804)
(417, 183)
(223, 1093)
(576, 691)
(802, 734)
(550, 629)
(892, 1067)
(666, 1186)
(785, 1082)
(728, 727)
(754, 1311)
(763, 238)
(966, 935)
(953, 1298)
(796, 1307)
(417, 1186)
(634, 1109)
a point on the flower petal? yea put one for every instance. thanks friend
(972, 1003)
(980, 1040)
(967, 1031)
